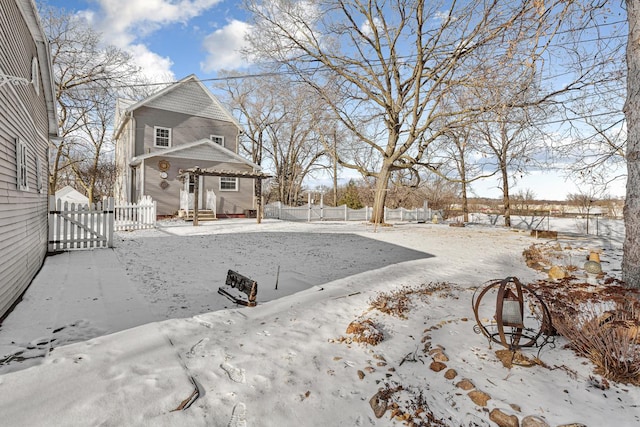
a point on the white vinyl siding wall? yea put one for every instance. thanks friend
(23, 116)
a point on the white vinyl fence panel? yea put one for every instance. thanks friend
(80, 226)
(340, 213)
(87, 226)
(135, 216)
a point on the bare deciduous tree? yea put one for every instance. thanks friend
(88, 74)
(391, 62)
(282, 122)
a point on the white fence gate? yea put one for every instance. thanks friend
(87, 226)
(78, 226)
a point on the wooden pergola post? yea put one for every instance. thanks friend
(196, 195)
(197, 172)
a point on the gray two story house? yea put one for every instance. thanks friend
(179, 128)
(27, 122)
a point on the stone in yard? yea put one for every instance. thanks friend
(593, 267)
(502, 419)
(466, 385)
(440, 357)
(450, 374)
(510, 358)
(478, 397)
(437, 366)
(378, 404)
(360, 374)
(533, 421)
(556, 272)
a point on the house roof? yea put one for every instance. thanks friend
(30, 14)
(189, 96)
(203, 149)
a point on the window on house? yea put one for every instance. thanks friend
(162, 136)
(21, 165)
(217, 139)
(228, 184)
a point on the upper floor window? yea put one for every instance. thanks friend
(21, 165)
(161, 136)
(217, 139)
(228, 184)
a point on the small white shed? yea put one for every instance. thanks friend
(71, 195)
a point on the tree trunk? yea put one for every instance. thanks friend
(335, 168)
(463, 178)
(631, 248)
(465, 202)
(382, 183)
(505, 196)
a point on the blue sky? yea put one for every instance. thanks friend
(171, 39)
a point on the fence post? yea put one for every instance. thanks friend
(110, 221)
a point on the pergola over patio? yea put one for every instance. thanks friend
(198, 172)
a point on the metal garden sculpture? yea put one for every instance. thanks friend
(518, 319)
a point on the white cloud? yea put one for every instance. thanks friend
(366, 28)
(145, 17)
(157, 68)
(123, 23)
(223, 47)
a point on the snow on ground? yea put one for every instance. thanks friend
(288, 361)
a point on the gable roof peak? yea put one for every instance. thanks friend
(189, 96)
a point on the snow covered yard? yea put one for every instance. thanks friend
(289, 361)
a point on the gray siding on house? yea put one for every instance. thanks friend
(189, 98)
(193, 115)
(168, 199)
(23, 114)
(184, 129)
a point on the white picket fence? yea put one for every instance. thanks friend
(87, 226)
(311, 212)
(135, 216)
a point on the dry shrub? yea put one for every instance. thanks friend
(535, 257)
(365, 331)
(610, 340)
(398, 302)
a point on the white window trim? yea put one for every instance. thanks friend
(155, 136)
(229, 189)
(22, 166)
(212, 138)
